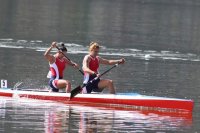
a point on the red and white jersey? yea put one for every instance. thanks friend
(93, 65)
(57, 68)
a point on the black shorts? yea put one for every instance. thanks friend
(52, 83)
(93, 86)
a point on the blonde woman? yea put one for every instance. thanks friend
(91, 64)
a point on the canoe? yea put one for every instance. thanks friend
(132, 100)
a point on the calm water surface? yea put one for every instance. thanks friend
(159, 39)
(23, 115)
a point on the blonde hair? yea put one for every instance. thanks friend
(93, 45)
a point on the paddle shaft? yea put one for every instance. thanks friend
(78, 89)
(109, 69)
(69, 60)
(100, 75)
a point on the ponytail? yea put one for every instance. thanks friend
(93, 45)
(63, 48)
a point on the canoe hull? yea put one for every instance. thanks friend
(127, 101)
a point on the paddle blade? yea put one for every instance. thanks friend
(75, 91)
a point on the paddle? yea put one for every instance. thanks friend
(78, 89)
(69, 60)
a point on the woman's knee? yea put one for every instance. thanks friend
(67, 82)
(110, 82)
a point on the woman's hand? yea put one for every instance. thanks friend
(96, 74)
(75, 65)
(54, 44)
(121, 61)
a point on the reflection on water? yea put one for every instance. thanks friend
(159, 39)
(26, 115)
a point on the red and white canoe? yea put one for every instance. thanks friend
(121, 100)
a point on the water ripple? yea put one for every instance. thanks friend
(73, 48)
(36, 116)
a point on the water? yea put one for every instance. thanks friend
(23, 115)
(159, 40)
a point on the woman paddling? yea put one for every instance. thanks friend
(57, 64)
(90, 67)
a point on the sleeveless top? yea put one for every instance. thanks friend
(57, 69)
(94, 66)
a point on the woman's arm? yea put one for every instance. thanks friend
(111, 62)
(49, 56)
(71, 63)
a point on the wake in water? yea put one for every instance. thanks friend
(39, 45)
(30, 85)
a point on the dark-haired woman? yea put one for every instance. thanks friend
(57, 64)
